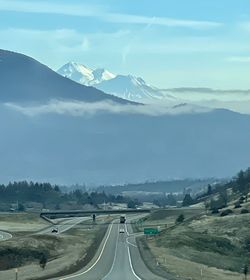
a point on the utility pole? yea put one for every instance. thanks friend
(245, 270)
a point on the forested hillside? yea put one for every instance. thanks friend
(221, 195)
(50, 196)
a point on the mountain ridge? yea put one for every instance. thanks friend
(23, 79)
(136, 89)
(84, 75)
(126, 87)
(107, 147)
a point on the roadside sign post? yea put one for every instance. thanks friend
(16, 272)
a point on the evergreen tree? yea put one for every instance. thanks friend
(209, 189)
(180, 219)
(187, 200)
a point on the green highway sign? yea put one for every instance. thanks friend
(151, 231)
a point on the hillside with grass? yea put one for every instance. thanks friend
(233, 194)
(39, 256)
(216, 242)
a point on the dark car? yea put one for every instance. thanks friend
(54, 230)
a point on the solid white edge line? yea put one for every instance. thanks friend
(113, 264)
(129, 235)
(69, 225)
(130, 242)
(130, 263)
(104, 245)
(126, 229)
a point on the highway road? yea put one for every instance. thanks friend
(5, 236)
(64, 225)
(118, 259)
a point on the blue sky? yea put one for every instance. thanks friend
(195, 43)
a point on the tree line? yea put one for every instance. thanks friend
(239, 186)
(52, 195)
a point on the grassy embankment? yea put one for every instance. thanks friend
(65, 253)
(209, 245)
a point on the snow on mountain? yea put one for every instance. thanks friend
(101, 75)
(133, 88)
(136, 89)
(84, 75)
(76, 147)
(127, 87)
(35, 82)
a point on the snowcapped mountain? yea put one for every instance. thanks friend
(186, 141)
(137, 90)
(84, 75)
(35, 82)
(127, 87)
(133, 88)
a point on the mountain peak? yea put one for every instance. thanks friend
(127, 87)
(35, 82)
(102, 74)
(84, 75)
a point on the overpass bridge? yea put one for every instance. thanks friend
(79, 213)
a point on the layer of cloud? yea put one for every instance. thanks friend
(75, 108)
(170, 22)
(101, 13)
(45, 7)
(242, 107)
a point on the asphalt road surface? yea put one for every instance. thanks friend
(118, 259)
(5, 236)
(65, 225)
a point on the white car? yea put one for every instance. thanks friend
(122, 230)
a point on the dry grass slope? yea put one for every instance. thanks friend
(215, 246)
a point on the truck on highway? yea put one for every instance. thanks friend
(122, 219)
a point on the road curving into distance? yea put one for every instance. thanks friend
(118, 258)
